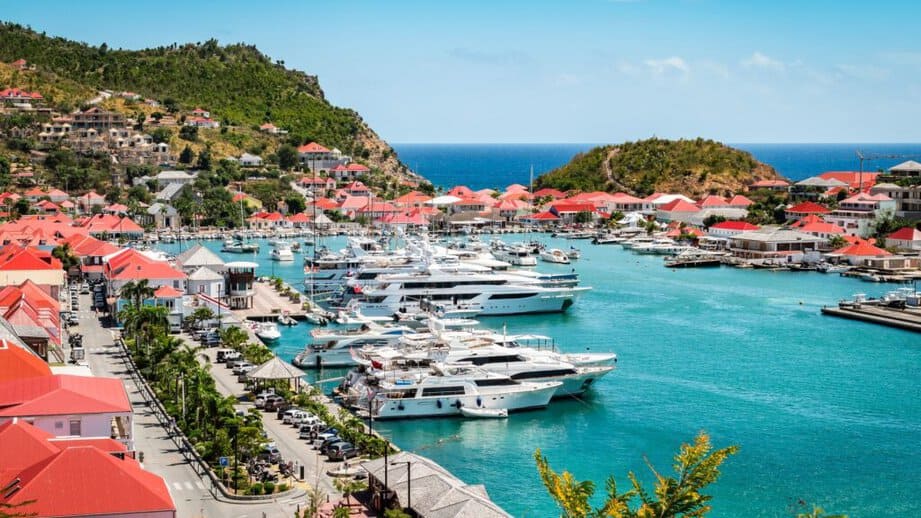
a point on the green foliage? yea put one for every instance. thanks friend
(287, 157)
(185, 157)
(161, 135)
(646, 166)
(189, 133)
(269, 487)
(696, 467)
(66, 256)
(236, 82)
(270, 191)
(395, 513)
(256, 489)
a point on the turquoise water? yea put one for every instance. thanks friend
(824, 410)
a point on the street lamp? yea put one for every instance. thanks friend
(409, 481)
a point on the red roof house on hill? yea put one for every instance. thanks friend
(19, 264)
(713, 201)
(740, 201)
(852, 178)
(312, 147)
(862, 249)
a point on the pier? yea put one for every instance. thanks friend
(268, 304)
(907, 318)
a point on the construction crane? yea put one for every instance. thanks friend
(877, 156)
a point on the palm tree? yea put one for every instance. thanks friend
(136, 292)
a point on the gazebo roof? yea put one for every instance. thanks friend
(275, 369)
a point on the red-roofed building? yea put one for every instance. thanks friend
(856, 253)
(547, 192)
(57, 195)
(357, 188)
(351, 205)
(378, 209)
(461, 191)
(70, 406)
(471, 204)
(20, 64)
(804, 209)
(713, 200)
(300, 220)
(90, 200)
(413, 218)
(858, 213)
(46, 207)
(35, 194)
(412, 199)
(542, 218)
(271, 129)
(319, 158)
(731, 228)
(17, 362)
(267, 221)
(816, 226)
(852, 178)
(906, 238)
(676, 210)
(116, 208)
(740, 202)
(567, 211)
(325, 204)
(33, 314)
(69, 479)
(345, 172)
(19, 264)
(111, 225)
(312, 184)
(17, 95)
(91, 252)
(129, 265)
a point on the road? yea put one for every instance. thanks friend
(190, 492)
(285, 436)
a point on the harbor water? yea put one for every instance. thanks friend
(825, 410)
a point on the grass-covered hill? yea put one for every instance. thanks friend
(694, 167)
(237, 83)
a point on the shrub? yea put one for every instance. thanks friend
(282, 488)
(269, 487)
(256, 489)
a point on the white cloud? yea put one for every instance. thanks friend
(717, 69)
(674, 63)
(864, 72)
(759, 60)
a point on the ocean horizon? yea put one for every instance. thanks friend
(496, 165)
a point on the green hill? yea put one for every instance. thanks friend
(237, 83)
(694, 167)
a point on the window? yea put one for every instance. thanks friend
(59, 425)
(75, 427)
(443, 391)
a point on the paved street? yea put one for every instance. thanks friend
(285, 436)
(189, 492)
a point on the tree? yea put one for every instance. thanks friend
(287, 157)
(713, 219)
(66, 256)
(295, 204)
(189, 133)
(204, 160)
(696, 467)
(185, 157)
(161, 135)
(584, 217)
(837, 242)
(136, 292)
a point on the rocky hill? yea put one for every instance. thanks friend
(693, 167)
(239, 85)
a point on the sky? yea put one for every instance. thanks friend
(581, 71)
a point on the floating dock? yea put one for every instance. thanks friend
(907, 318)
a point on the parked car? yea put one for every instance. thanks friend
(308, 430)
(272, 402)
(260, 398)
(243, 367)
(269, 454)
(290, 414)
(281, 408)
(329, 444)
(223, 355)
(342, 451)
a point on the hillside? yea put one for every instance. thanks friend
(237, 83)
(693, 167)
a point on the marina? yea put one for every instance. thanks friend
(747, 380)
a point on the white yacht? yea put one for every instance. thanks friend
(517, 255)
(491, 294)
(267, 331)
(281, 251)
(554, 255)
(333, 348)
(445, 390)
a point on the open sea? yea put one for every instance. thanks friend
(495, 166)
(826, 411)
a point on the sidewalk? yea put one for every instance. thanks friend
(190, 492)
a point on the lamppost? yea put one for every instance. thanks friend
(409, 481)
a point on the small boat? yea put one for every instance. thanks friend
(282, 251)
(573, 253)
(267, 331)
(607, 240)
(484, 413)
(554, 255)
(317, 320)
(286, 320)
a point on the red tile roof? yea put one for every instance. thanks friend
(740, 201)
(821, 227)
(300, 217)
(542, 216)
(560, 207)
(771, 183)
(62, 394)
(906, 234)
(14, 257)
(852, 178)
(742, 226)
(312, 147)
(808, 207)
(553, 193)
(131, 265)
(115, 486)
(17, 362)
(862, 248)
(354, 167)
(679, 205)
(713, 201)
(167, 292)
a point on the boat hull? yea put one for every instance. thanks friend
(449, 406)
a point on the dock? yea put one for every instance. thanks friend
(907, 318)
(268, 304)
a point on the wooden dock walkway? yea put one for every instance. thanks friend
(268, 304)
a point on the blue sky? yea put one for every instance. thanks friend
(563, 71)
